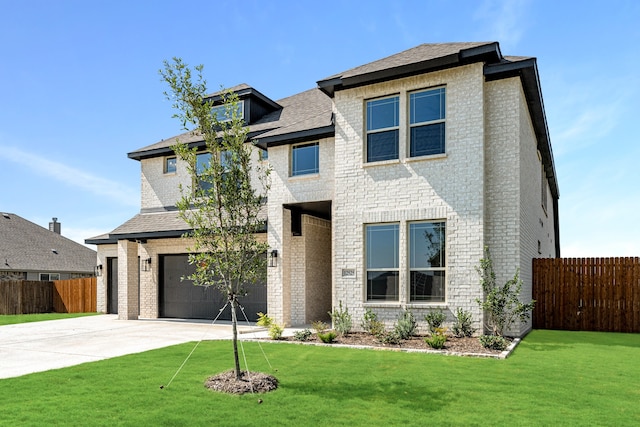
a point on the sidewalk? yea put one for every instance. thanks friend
(41, 346)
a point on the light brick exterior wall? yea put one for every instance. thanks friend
(515, 219)
(444, 187)
(161, 189)
(285, 189)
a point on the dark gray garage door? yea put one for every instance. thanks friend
(182, 299)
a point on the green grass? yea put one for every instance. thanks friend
(11, 319)
(553, 378)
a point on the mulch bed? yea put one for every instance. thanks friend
(249, 382)
(467, 345)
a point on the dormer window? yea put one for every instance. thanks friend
(220, 111)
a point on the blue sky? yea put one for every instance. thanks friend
(79, 89)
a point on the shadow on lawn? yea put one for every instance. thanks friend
(550, 340)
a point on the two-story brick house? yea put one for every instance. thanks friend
(387, 182)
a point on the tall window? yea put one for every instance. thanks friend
(382, 129)
(427, 261)
(304, 159)
(382, 245)
(202, 162)
(426, 120)
(220, 111)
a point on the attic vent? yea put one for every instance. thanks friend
(54, 251)
(6, 215)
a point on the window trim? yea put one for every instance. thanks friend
(49, 279)
(368, 132)
(443, 268)
(314, 171)
(216, 110)
(166, 165)
(410, 125)
(396, 269)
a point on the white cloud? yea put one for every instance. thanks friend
(113, 190)
(504, 21)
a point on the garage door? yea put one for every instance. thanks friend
(182, 299)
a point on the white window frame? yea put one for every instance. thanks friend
(380, 130)
(292, 171)
(411, 125)
(442, 268)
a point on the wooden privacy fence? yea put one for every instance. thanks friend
(75, 295)
(587, 294)
(61, 296)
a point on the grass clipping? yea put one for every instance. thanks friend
(249, 382)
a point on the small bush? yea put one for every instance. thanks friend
(390, 337)
(341, 320)
(462, 326)
(302, 335)
(376, 328)
(369, 321)
(264, 320)
(435, 319)
(275, 331)
(406, 325)
(493, 342)
(319, 326)
(327, 337)
(438, 339)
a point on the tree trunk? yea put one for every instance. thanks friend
(234, 323)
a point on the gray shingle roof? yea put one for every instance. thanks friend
(25, 246)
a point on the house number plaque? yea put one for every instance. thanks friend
(348, 273)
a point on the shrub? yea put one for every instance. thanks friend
(390, 337)
(264, 320)
(275, 331)
(341, 320)
(369, 320)
(302, 335)
(462, 326)
(435, 319)
(501, 304)
(376, 328)
(437, 339)
(327, 337)
(493, 342)
(406, 325)
(319, 326)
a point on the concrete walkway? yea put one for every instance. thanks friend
(40, 346)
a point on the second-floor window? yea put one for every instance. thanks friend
(427, 122)
(202, 163)
(383, 128)
(170, 165)
(305, 159)
(220, 111)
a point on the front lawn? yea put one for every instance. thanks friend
(553, 378)
(11, 319)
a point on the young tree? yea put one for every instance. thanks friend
(223, 203)
(501, 304)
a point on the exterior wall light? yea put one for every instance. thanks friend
(98, 270)
(146, 264)
(273, 258)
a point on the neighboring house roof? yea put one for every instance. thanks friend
(25, 246)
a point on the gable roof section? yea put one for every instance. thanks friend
(25, 246)
(418, 60)
(301, 116)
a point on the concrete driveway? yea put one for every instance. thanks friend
(40, 346)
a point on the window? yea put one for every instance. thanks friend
(264, 154)
(382, 245)
(304, 159)
(427, 261)
(220, 111)
(47, 277)
(202, 163)
(170, 165)
(382, 129)
(426, 121)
